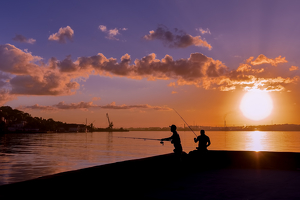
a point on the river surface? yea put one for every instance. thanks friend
(28, 156)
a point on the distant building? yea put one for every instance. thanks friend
(61, 130)
(82, 128)
(17, 126)
(32, 130)
(73, 129)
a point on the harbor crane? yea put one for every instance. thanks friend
(92, 124)
(110, 124)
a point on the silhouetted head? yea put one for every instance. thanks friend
(173, 127)
(202, 132)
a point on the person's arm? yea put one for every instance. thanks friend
(208, 142)
(167, 139)
(196, 140)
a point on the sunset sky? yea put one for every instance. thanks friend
(138, 60)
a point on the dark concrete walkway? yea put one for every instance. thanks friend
(217, 175)
(232, 184)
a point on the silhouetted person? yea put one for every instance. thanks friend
(203, 140)
(175, 140)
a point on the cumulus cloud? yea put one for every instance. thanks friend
(176, 39)
(250, 82)
(248, 68)
(25, 74)
(16, 61)
(111, 33)
(96, 98)
(172, 84)
(31, 76)
(62, 35)
(192, 70)
(88, 105)
(203, 31)
(262, 59)
(23, 39)
(250, 78)
(198, 70)
(37, 107)
(5, 96)
(103, 28)
(293, 68)
(140, 106)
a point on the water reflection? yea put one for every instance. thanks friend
(26, 156)
(109, 143)
(255, 140)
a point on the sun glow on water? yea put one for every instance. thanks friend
(255, 140)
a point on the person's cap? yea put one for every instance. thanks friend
(172, 126)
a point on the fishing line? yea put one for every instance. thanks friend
(185, 122)
(140, 138)
(143, 139)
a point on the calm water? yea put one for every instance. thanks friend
(27, 156)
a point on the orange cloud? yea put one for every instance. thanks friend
(248, 68)
(141, 106)
(37, 107)
(5, 96)
(293, 68)
(111, 33)
(246, 77)
(62, 34)
(202, 31)
(190, 70)
(31, 77)
(87, 105)
(262, 59)
(173, 84)
(25, 74)
(254, 83)
(178, 39)
(96, 98)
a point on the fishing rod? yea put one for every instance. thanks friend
(143, 139)
(185, 122)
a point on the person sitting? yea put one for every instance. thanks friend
(203, 140)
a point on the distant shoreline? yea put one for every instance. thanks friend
(275, 127)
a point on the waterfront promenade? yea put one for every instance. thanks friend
(222, 175)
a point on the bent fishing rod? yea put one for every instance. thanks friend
(185, 122)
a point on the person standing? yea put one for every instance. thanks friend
(175, 140)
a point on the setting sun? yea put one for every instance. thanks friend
(256, 105)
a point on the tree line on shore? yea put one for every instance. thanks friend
(10, 117)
